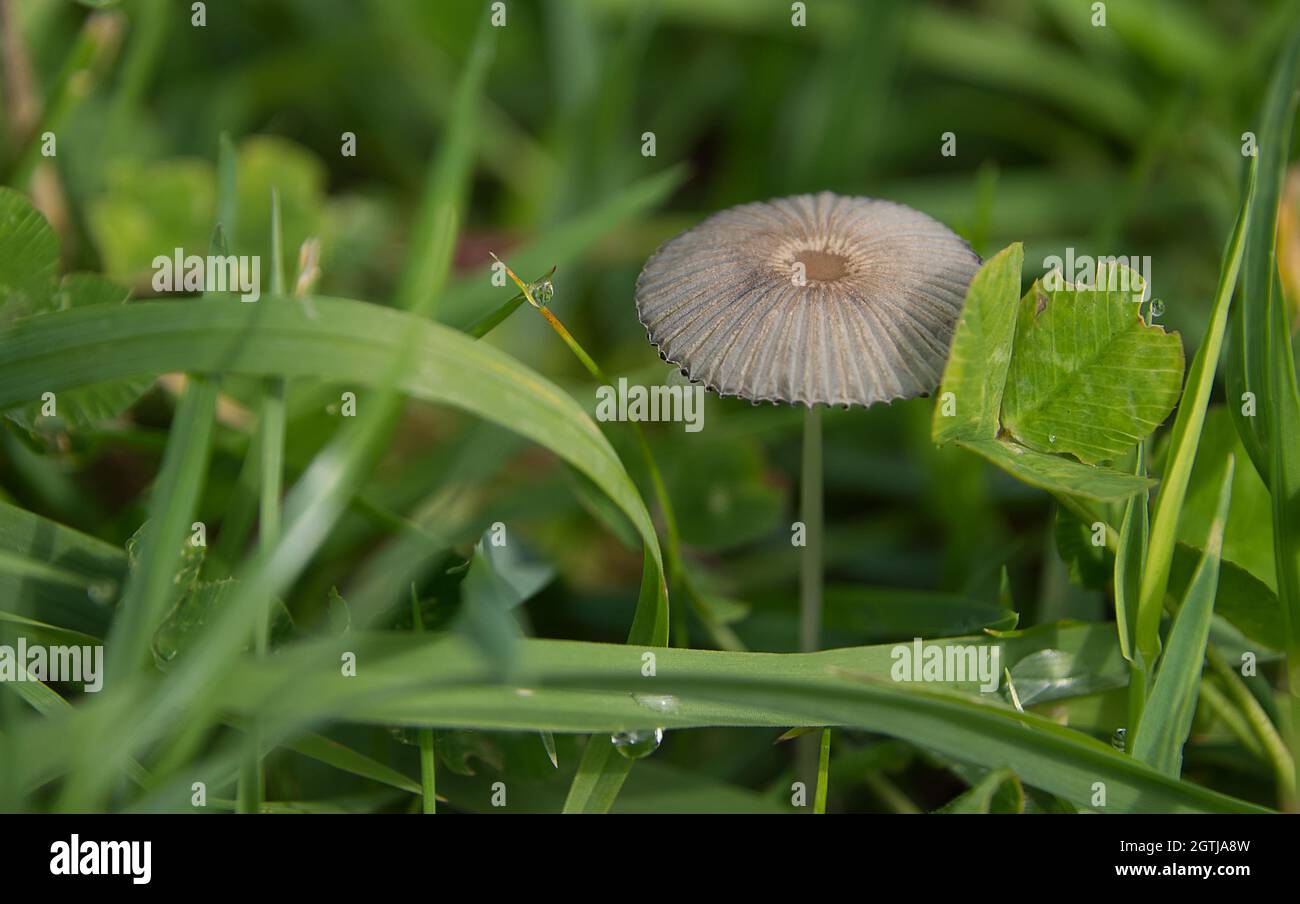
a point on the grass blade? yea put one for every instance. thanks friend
(1183, 442)
(1167, 721)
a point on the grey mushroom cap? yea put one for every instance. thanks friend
(809, 299)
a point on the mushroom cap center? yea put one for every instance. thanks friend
(822, 266)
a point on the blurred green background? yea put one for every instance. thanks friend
(1123, 139)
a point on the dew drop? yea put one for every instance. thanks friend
(542, 291)
(1119, 738)
(660, 703)
(637, 744)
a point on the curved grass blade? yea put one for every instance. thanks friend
(594, 688)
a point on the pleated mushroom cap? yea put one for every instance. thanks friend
(809, 299)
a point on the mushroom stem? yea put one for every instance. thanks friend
(810, 569)
(810, 513)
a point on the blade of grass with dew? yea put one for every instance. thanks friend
(1167, 719)
(592, 687)
(439, 681)
(1183, 442)
(402, 682)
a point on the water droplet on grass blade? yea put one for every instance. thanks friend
(542, 291)
(660, 703)
(636, 744)
(1119, 738)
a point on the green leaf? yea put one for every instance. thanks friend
(976, 372)
(1057, 473)
(1088, 377)
(1167, 718)
(29, 257)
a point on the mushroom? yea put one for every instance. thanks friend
(814, 300)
